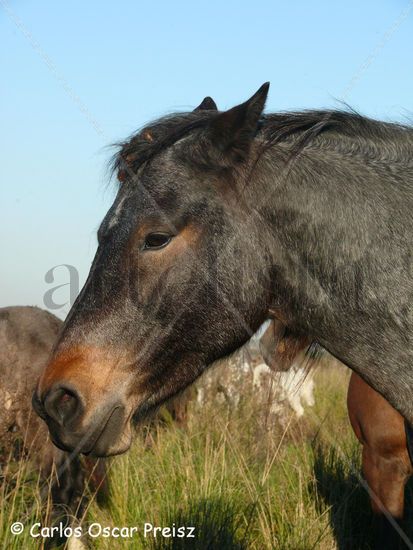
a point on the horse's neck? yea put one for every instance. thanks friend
(327, 221)
(308, 225)
(340, 231)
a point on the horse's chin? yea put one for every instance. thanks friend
(101, 449)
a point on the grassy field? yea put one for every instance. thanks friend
(240, 479)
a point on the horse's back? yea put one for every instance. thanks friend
(27, 335)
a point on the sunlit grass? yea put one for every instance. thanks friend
(243, 481)
(239, 478)
(20, 501)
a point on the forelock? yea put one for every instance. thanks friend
(153, 139)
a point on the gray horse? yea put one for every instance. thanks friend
(221, 220)
(27, 335)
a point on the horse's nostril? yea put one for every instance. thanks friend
(63, 405)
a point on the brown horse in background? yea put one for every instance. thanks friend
(27, 335)
(387, 463)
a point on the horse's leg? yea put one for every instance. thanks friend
(386, 477)
(67, 493)
(386, 462)
(96, 478)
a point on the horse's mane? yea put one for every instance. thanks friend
(349, 123)
(273, 128)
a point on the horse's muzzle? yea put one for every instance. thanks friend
(63, 411)
(84, 397)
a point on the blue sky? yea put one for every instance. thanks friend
(78, 76)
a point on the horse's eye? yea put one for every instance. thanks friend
(156, 240)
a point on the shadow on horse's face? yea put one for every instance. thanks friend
(179, 279)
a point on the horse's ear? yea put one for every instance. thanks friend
(232, 131)
(207, 104)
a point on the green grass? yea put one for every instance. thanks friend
(240, 479)
(20, 501)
